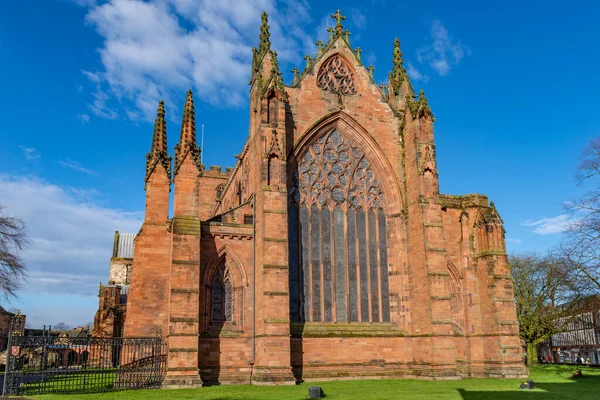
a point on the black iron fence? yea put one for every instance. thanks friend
(62, 364)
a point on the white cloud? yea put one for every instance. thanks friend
(549, 225)
(74, 165)
(30, 153)
(371, 58)
(514, 240)
(71, 236)
(359, 20)
(321, 31)
(442, 52)
(158, 48)
(414, 74)
(84, 118)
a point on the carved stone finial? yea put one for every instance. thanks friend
(308, 61)
(339, 18)
(320, 46)
(371, 69)
(265, 43)
(358, 51)
(295, 71)
(330, 30)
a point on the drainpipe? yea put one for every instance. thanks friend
(251, 362)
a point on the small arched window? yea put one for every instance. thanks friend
(222, 296)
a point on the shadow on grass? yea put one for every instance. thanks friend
(582, 388)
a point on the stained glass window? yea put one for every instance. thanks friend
(338, 244)
(222, 296)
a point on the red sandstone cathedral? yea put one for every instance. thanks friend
(326, 252)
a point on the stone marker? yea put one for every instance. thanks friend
(315, 392)
(528, 385)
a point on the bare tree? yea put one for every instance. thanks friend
(13, 239)
(582, 243)
(546, 296)
(61, 326)
(89, 326)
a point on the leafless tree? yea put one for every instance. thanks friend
(582, 243)
(61, 326)
(547, 297)
(13, 238)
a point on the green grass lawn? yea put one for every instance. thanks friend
(552, 382)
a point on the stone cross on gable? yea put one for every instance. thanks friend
(295, 72)
(371, 69)
(357, 51)
(339, 18)
(330, 30)
(308, 60)
(320, 46)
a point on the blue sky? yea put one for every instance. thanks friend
(513, 86)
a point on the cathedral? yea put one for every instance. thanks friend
(326, 252)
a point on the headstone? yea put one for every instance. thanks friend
(315, 392)
(527, 385)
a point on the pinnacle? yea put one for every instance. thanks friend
(158, 151)
(188, 122)
(398, 72)
(397, 69)
(264, 44)
(159, 139)
(187, 141)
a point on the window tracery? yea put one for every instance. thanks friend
(336, 76)
(334, 171)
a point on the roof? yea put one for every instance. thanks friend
(123, 245)
(73, 333)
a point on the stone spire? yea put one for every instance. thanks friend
(265, 43)
(398, 72)
(158, 151)
(187, 140)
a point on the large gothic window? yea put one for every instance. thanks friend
(338, 243)
(221, 305)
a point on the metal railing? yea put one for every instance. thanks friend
(60, 364)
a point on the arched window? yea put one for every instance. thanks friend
(337, 237)
(335, 75)
(222, 296)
